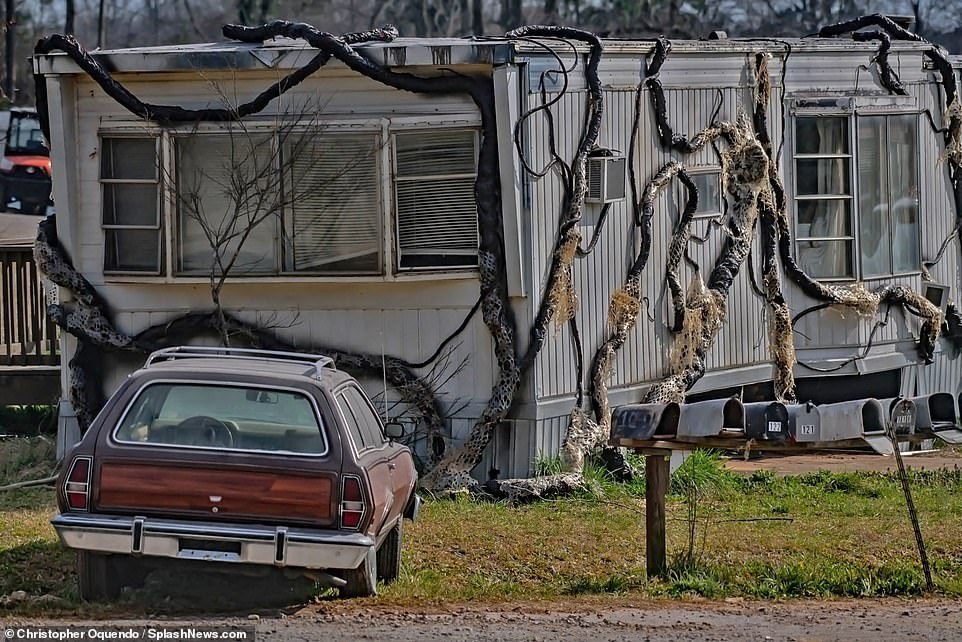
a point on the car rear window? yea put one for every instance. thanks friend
(224, 417)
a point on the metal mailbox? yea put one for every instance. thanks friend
(936, 413)
(644, 421)
(902, 416)
(711, 418)
(851, 420)
(766, 420)
(804, 422)
(904, 426)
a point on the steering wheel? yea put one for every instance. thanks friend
(202, 430)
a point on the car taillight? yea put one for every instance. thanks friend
(77, 487)
(352, 502)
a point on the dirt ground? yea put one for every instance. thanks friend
(844, 461)
(617, 619)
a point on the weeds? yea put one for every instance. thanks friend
(26, 458)
(700, 477)
(545, 465)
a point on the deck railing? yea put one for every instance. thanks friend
(27, 336)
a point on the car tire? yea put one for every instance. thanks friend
(389, 555)
(96, 581)
(361, 581)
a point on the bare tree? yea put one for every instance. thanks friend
(68, 17)
(236, 188)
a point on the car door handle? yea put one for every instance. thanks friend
(391, 466)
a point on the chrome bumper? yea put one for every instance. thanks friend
(211, 541)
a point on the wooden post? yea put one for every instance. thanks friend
(656, 488)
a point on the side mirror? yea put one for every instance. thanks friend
(394, 429)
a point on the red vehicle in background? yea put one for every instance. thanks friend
(25, 167)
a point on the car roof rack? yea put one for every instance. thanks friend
(318, 361)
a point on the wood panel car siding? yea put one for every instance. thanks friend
(242, 494)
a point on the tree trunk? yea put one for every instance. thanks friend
(477, 17)
(551, 12)
(10, 58)
(68, 21)
(464, 17)
(100, 25)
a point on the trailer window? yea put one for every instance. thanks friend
(873, 189)
(223, 417)
(332, 218)
(437, 217)
(823, 196)
(129, 169)
(888, 175)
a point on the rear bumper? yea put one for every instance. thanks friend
(212, 541)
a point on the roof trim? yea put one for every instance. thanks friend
(282, 54)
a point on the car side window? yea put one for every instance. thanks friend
(370, 427)
(353, 426)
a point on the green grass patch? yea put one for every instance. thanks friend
(759, 536)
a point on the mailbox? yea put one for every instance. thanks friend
(766, 421)
(902, 417)
(936, 413)
(852, 420)
(804, 423)
(644, 421)
(904, 427)
(711, 418)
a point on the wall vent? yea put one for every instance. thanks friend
(606, 179)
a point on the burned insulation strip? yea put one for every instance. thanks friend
(560, 300)
(166, 114)
(887, 76)
(668, 138)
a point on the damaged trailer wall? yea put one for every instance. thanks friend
(655, 308)
(700, 88)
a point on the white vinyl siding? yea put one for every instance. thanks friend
(437, 220)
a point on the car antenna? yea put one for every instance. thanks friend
(383, 373)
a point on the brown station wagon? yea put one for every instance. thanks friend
(250, 457)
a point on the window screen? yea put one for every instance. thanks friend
(130, 205)
(437, 220)
(709, 193)
(333, 219)
(228, 203)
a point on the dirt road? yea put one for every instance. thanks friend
(617, 619)
(844, 461)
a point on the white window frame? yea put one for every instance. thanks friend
(389, 271)
(705, 170)
(395, 179)
(852, 113)
(158, 180)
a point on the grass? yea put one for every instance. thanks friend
(760, 536)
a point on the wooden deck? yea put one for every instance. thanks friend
(29, 343)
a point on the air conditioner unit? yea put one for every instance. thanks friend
(606, 179)
(938, 294)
